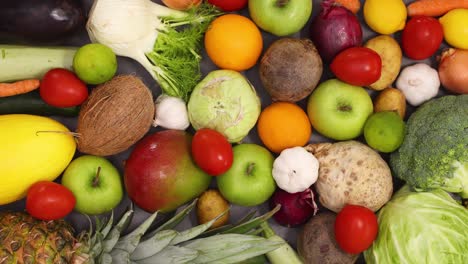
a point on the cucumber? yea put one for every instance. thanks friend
(27, 62)
(32, 103)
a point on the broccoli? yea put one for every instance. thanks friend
(434, 152)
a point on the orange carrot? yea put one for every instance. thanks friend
(19, 87)
(351, 5)
(434, 8)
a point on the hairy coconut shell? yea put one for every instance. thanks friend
(115, 116)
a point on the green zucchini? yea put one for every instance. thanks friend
(27, 62)
(32, 103)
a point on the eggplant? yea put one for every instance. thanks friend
(39, 21)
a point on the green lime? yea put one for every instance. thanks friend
(384, 131)
(95, 63)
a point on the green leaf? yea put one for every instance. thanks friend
(195, 231)
(131, 240)
(153, 245)
(253, 223)
(114, 234)
(171, 255)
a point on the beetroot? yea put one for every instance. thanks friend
(296, 208)
(334, 29)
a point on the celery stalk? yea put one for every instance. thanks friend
(283, 254)
(27, 62)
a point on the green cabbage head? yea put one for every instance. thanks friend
(421, 227)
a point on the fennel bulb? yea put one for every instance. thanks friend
(148, 33)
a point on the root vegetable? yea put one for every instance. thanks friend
(115, 116)
(316, 242)
(290, 69)
(391, 99)
(453, 70)
(351, 173)
(391, 55)
(210, 205)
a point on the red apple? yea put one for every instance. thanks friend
(160, 173)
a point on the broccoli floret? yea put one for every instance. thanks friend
(434, 153)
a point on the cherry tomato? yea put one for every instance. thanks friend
(421, 37)
(62, 88)
(49, 200)
(357, 66)
(211, 151)
(356, 228)
(229, 5)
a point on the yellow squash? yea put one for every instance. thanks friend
(31, 150)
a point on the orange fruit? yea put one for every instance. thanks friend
(233, 42)
(283, 125)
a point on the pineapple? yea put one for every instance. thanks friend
(24, 239)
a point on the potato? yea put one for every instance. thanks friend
(391, 99)
(350, 172)
(391, 55)
(211, 204)
(316, 242)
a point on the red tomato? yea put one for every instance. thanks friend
(62, 88)
(357, 66)
(211, 151)
(49, 200)
(356, 228)
(229, 5)
(421, 37)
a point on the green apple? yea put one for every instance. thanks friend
(339, 110)
(95, 182)
(249, 181)
(280, 17)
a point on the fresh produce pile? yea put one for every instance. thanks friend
(234, 131)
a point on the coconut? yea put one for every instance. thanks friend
(115, 116)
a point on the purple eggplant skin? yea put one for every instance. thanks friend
(39, 21)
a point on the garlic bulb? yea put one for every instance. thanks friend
(171, 113)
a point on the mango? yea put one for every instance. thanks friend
(160, 174)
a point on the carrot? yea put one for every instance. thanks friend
(434, 8)
(351, 5)
(19, 87)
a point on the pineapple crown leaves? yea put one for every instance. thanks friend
(227, 244)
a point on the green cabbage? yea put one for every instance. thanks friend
(421, 227)
(226, 102)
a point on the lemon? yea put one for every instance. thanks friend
(455, 25)
(384, 131)
(385, 16)
(95, 63)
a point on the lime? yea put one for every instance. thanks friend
(384, 131)
(385, 16)
(95, 63)
(454, 24)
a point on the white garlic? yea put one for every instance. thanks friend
(171, 113)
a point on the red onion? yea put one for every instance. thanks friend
(334, 29)
(296, 208)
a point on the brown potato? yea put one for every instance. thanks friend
(390, 99)
(210, 205)
(391, 55)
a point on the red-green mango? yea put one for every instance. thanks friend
(160, 174)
